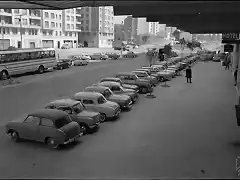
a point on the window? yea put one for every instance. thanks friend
(16, 21)
(70, 34)
(46, 15)
(66, 109)
(52, 24)
(86, 101)
(68, 26)
(24, 12)
(46, 24)
(16, 11)
(60, 24)
(56, 16)
(60, 17)
(68, 18)
(68, 10)
(115, 88)
(50, 33)
(72, 18)
(101, 100)
(72, 11)
(60, 33)
(56, 24)
(87, 9)
(44, 33)
(33, 120)
(52, 16)
(14, 30)
(46, 122)
(56, 33)
(78, 108)
(72, 26)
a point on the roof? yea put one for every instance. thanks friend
(139, 71)
(125, 73)
(100, 89)
(107, 83)
(52, 114)
(110, 78)
(63, 102)
(88, 94)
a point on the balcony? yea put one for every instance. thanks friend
(6, 20)
(78, 12)
(35, 14)
(78, 20)
(34, 23)
(7, 10)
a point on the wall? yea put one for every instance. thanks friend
(142, 26)
(91, 38)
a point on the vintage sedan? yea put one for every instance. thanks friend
(150, 73)
(87, 120)
(127, 86)
(99, 56)
(144, 75)
(62, 64)
(50, 126)
(96, 102)
(124, 101)
(116, 88)
(78, 61)
(130, 54)
(113, 55)
(157, 71)
(131, 79)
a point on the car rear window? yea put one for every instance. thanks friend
(59, 123)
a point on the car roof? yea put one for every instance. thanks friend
(88, 94)
(52, 114)
(63, 102)
(125, 73)
(142, 70)
(95, 88)
(109, 83)
(139, 72)
(110, 78)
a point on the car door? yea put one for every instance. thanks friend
(30, 128)
(46, 129)
(89, 104)
(131, 79)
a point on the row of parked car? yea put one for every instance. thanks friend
(65, 120)
(83, 60)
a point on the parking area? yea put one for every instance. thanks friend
(189, 130)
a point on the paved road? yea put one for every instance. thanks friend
(187, 131)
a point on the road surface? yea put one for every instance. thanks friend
(189, 130)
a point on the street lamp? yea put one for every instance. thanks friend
(2, 22)
(20, 20)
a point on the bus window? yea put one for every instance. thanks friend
(52, 53)
(2, 58)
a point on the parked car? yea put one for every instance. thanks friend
(124, 101)
(144, 75)
(216, 58)
(131, 78)
(99, 56)
(62, 64)
(96, 102)
(127, 86)
(163, 73)
(113, 55)
(78, 61)
(130, 54)
(52, 127)
(85, 57)
(116, 88)
(87, 120)
(150, 73)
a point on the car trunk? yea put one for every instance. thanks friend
(71, 130)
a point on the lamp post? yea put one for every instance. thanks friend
(20, 20)
(2, 34)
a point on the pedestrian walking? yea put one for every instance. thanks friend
(235, 76)
(189, 74)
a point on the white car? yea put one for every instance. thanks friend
(78, 61)
(216, 58)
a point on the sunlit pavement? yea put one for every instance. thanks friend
(189, 130)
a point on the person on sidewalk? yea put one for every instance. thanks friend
(189, 74)
(235, 76)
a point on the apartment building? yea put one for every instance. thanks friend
(97, 26)
(38, 28)
(119, 34)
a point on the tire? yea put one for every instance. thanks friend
(161, 79)
(103, 117)
(85, 128)
(52, 143)
(144, 90)
(41, 69)
(4, 75)
(101, 58)
(14, 136)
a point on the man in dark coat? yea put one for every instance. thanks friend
(235, 76)
(189, 74)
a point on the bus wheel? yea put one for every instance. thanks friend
(4, 75)
(41, 69)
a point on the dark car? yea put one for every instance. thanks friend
(113, 55)
(87, 120)
(124, 101)
(127, 86)
(63, 64)
(52, 127)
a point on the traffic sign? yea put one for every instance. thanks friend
(228, 48)
(232, 38)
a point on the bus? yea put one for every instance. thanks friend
(20, 61)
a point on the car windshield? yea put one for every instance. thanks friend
(101, 100)
(78, 108)
(107, 93)
(59, 123)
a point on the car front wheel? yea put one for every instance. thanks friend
(102, 117)
(52, 143)
(15, 136)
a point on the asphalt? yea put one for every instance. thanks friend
(188, 131)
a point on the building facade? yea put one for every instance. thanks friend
(97, 26)
(22, 28)
(119, 34)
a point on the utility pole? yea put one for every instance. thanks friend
(2, 33)
(20, 20)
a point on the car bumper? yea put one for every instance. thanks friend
(117, 113)
(128, 106)
(94, 125)
(73, 139)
